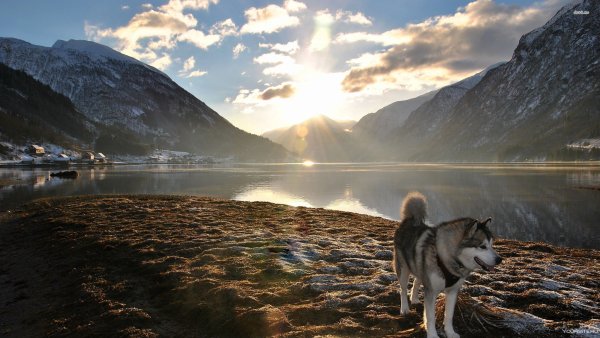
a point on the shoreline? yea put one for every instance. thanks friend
(196, 266)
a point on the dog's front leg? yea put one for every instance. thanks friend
(429, 313)
(451, 296)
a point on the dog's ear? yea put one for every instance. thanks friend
(489, 219)
(471, 228)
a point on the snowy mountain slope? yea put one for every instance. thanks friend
(32, 112)
(119, 91)
(545, 97)
(431, 115)
(378, 124)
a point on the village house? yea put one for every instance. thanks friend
(87, 156)
(34, 149)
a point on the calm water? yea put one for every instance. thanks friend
(556, 204)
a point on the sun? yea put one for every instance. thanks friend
(317, 93)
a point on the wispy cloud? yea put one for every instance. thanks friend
(355, 18)
(189, 64)
(250, 99)
(162, 62)
(279, 64)
(149, 34)
(480, 34)
(196, 73)
(284, 91)
(288, 48)
(238, 49)
(187, 70)
(199, 39)
(293, 6)
(272, 18)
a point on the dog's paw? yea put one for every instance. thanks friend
(404, 311)
(432, 335)
(415, 301)
(452, 335)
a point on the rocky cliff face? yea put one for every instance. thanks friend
(116, 90)
(544, 98)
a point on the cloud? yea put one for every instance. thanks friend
(273, 58)
(288, 48)
(188, 71)
(283, 91)
(257, 97)
(270, 19)
(389, 38)
(224, 28)
(189, 64)
(163, 62)
(199, 39)
(238, 49)
(355, 18)
(293, 6)
(180, 5)
(196, 73)
(279, 64)
(125, 7)
(149, 33)
(480, 34)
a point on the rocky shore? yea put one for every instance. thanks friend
(173, 266)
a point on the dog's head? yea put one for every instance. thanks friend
(476, 249)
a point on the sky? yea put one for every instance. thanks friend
(269, 64)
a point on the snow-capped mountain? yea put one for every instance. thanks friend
(378, 124)
(116, 90)
(58, 121)
(430, 116)
(546, 97)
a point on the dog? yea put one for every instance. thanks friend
(439, 257)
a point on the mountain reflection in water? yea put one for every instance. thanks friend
(556, 204)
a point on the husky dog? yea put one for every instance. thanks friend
(439, 257)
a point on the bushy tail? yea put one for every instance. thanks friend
(414, 206)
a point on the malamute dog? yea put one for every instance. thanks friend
(439, 257)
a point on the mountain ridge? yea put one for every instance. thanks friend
(128, 95)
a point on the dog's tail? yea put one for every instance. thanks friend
(414, 206)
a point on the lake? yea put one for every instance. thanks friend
(555, 203)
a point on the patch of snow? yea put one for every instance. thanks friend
(135, 111)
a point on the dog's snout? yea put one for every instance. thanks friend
(498, 260)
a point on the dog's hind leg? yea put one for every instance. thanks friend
(403, 274)
(414, 292)
(403, 279)
(451, 296)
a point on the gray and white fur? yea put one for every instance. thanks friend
(439, 257)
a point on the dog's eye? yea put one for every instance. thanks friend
(482, 247)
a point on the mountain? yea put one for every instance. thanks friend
(545, 98)
(32, 111)
(431, 115)
(318, 139)
(133, 98)
(378, 124)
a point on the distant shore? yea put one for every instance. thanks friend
(145, 266)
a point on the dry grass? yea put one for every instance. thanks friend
(189, 266)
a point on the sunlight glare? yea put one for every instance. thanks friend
(308, 163)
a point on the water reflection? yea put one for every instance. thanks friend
(553, 204)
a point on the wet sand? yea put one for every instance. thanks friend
(145, 266)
